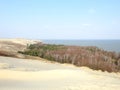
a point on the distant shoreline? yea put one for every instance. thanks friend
(109, 45)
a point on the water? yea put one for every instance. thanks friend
(109, 45)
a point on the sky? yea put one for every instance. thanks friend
(60, 19)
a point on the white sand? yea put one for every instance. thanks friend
(21, 41)
(23, 74)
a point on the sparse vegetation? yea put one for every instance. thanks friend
(92, 57)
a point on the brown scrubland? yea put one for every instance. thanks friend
(89, 56)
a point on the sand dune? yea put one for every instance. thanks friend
(40, 75)
(21, 41)
(10, 47)
(15, 45)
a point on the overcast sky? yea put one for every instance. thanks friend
(60, 19)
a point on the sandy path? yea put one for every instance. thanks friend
(23, 74)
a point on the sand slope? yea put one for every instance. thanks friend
(17, 74)
(10, 47)
(21, 41)
(15, 45)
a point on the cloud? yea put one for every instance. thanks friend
(91, 11)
